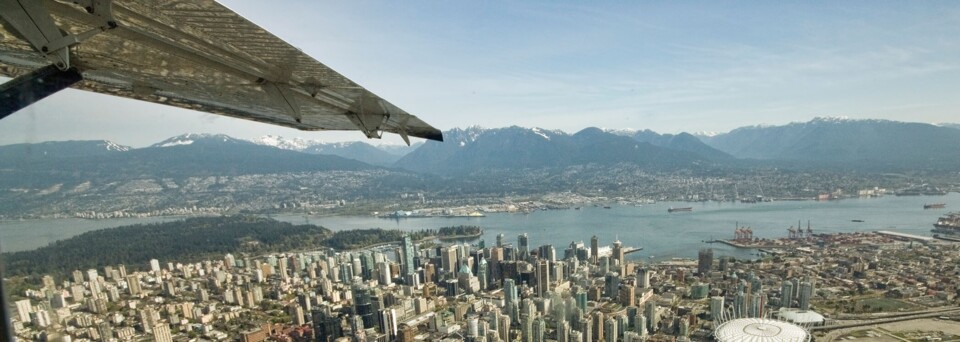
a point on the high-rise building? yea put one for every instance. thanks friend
(563, 332)
(408, 252)
(539, 330)
(610, 331)
(23, 310)
(739, 305)
(229, 261)
(581, 297)
(641, 325)
(483, 273)
(653, 316)
(362, 305)
(526, 328)
(473, 327)
(547, 252)
(408, 333)
(756, 303)
(383, 271)
(594, 250)
(510, 294)
(628, 295)
(611, 285)
(105, 331)
(161, 333)
(523, 246)
(296, 314)
(148, 319)
(367, 265)
(586, 329)
(804, 294)
(618, 253)
(387, 322)
(448, 260)
(154, 265)
(327, 325)
(543, 277)
(557, 275)
(92, 275)
(133, 285)
(716, 309)
(346, 273)
(598, 326)
(503, 327)
(500, 238)
(48, 282)
(684, 328)
(786, 294)
(704, 261)
(58, 300)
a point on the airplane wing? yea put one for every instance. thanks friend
(194, 54)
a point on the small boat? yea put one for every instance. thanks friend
(606, 207)
(672, 209)
(934, 206)
(856, 220)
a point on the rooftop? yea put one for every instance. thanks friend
(760, 330)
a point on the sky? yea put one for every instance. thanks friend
(661, 65)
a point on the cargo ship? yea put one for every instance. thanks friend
(948, 224)
(679, 209)
(934, 206)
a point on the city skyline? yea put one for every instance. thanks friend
(665, 67)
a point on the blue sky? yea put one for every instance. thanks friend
(666, 66)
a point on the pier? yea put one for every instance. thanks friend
(904, 236)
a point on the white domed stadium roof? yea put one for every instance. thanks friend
(760, 330)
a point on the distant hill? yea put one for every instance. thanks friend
(19, 153)
(188, 240)
(384, 155)
(950, 125)
(189, 155)
(476, 149)
(356, 150)
(681, 142)
(842, 142)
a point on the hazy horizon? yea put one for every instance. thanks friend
(397, 142)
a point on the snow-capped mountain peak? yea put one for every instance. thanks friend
(190, 138)
(540, 132)
(295, 144)
(627, 132)
(708, 134)
(112, 146)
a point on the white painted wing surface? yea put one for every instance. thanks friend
(200, 55)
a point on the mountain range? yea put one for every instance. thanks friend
(189, 155)
(822, 142)
(382, 155)
(476, 149)
(235, 175)
(874, 144)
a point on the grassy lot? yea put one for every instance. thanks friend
(886, 305)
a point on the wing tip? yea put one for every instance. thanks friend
(435, 135)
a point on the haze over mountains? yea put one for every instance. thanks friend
(232, 175)
(878, 144)
(823, 142)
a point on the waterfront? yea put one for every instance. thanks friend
(661, 234)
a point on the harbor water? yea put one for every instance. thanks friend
(662, 235)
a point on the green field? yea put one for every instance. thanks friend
(886, 305)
